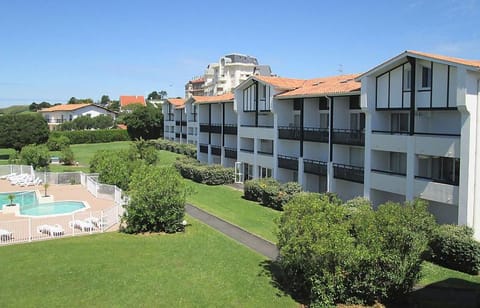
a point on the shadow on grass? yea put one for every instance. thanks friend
(448, 293)
(272, 270)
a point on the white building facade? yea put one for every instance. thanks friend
(59, 114)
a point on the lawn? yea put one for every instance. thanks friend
(200, 267)
(432, 273)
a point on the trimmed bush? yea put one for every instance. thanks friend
(206, 174)
(67, 156)
(454, 247)
(35, 155)
(351, 254)
(93, 136)
(57, 143)
(175, 147)
(270, 192)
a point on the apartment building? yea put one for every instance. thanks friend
(222, 77)
(174, 120)
(423, 113)
(194, 87)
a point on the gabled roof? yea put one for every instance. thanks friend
(67, 107)
(342, 84)
(224, 98)
(281, 82)
(473, 64)
(176, 101)
(128, 100)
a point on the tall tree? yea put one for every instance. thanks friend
(157, 95)
(104, 100)
(144, 122)
(18, 130)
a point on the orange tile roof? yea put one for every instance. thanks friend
(127, 100)
(325, 86)
(228, 97)
(67, 107)
(198, 80)
(281, 82)
(176, 101)
(474, 63)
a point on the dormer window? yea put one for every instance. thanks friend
(426, 77)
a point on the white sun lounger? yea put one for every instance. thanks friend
(52, 230)
(7, 176)
(5, 235)
(96, 221)
(82, 225)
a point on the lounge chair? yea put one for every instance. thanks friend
(5, 235)
(82, 225)
(96, 221)
(7, 176)
(51, 230)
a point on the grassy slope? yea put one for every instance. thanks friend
(432, 273)
(198, 268)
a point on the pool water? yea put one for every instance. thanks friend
(29, 204)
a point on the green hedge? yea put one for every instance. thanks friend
(207, 174)
(454, 247)
(270, 192)
(180, 148)
(93, 136)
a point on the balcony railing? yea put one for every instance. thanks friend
(184, 123)
(348, 136)
(204, 127)
(58, 121)
(184, 136)
(246, 150)
(230, 129)
(454, 182)
(348, 173)
(216, 128)
(389, 172)
(177, 135)
(289, 132)
(177, 123)
(288, 162)
(203, 148)
(315, 134)
(314, 167)
(230, 153)
(268, 153)
(216, 150)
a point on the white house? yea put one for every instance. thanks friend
(59, 114)
(174, 120)
(423, 140)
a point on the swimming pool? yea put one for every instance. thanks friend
(29, 204)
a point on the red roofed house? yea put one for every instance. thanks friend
(174, 120)
(126, 100)
(59, 114)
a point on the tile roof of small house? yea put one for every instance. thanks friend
(474, 63)
(179, 103)
(228, 97)
(333, 85)
(132, 99)
(66, 107)
(281, 82)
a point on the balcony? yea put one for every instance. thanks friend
(177, 135)
(288, 162)
(184, 123)
(266, 153)
(216, 128)
(289, 132)
(184, 136)
(315, 167)
(177, 123)
(216, 150)
(315, 134)
(204, 128)
(230, 129)
(348, 137)
(203, 148)
(230, 153)
(246, 150)
(449, 181)
(348, 173)
(384, 180)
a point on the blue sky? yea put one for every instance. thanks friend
(53, 50)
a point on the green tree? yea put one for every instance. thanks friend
(157, 201)
(114, 167)
(105, 100)
(67, 156)
(157, 95)
(114, 105)
(18, 130)
(56, 143)
(144, 150)
(144, 122)
(35, 155)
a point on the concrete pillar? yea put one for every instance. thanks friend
(410, 174)
(301, 174)
(330, 179)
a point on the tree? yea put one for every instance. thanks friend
(114, 167)
(157, 95)
(143, 150)
(67, 156)
(104, 100)
(35, 155)
(144, 122)
(157, 201)
(72, 100)
(34, 107)
(114, 105)
(18, 130)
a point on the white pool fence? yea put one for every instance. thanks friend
(27, 229)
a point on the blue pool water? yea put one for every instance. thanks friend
(29, 204)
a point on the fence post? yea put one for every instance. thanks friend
(73, 224)
(30, 230)
(101, 222)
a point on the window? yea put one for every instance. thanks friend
(249, 103)
(357, 121)
(70, 117)
(407, 78)
(263, 92)
(398, 162)
(426, 77)
(264, 172)
(323, 103)
(324, 120)
(439, 169)
(247, 171)
(399, 123)
(356, 157)
(355, 102)
(297, 104)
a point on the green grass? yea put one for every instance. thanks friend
(200, 267)
(228, 204)
(432, 273)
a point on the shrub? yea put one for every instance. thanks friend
(207, 174)
(93, 136)
(157, 201)
(67, 156)
(454, 247)
(144, 150)
(114, 167)
(35, 155)
(18, 130)
(180, 148)
(270, 192)
(56, 143)
(351, 254)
